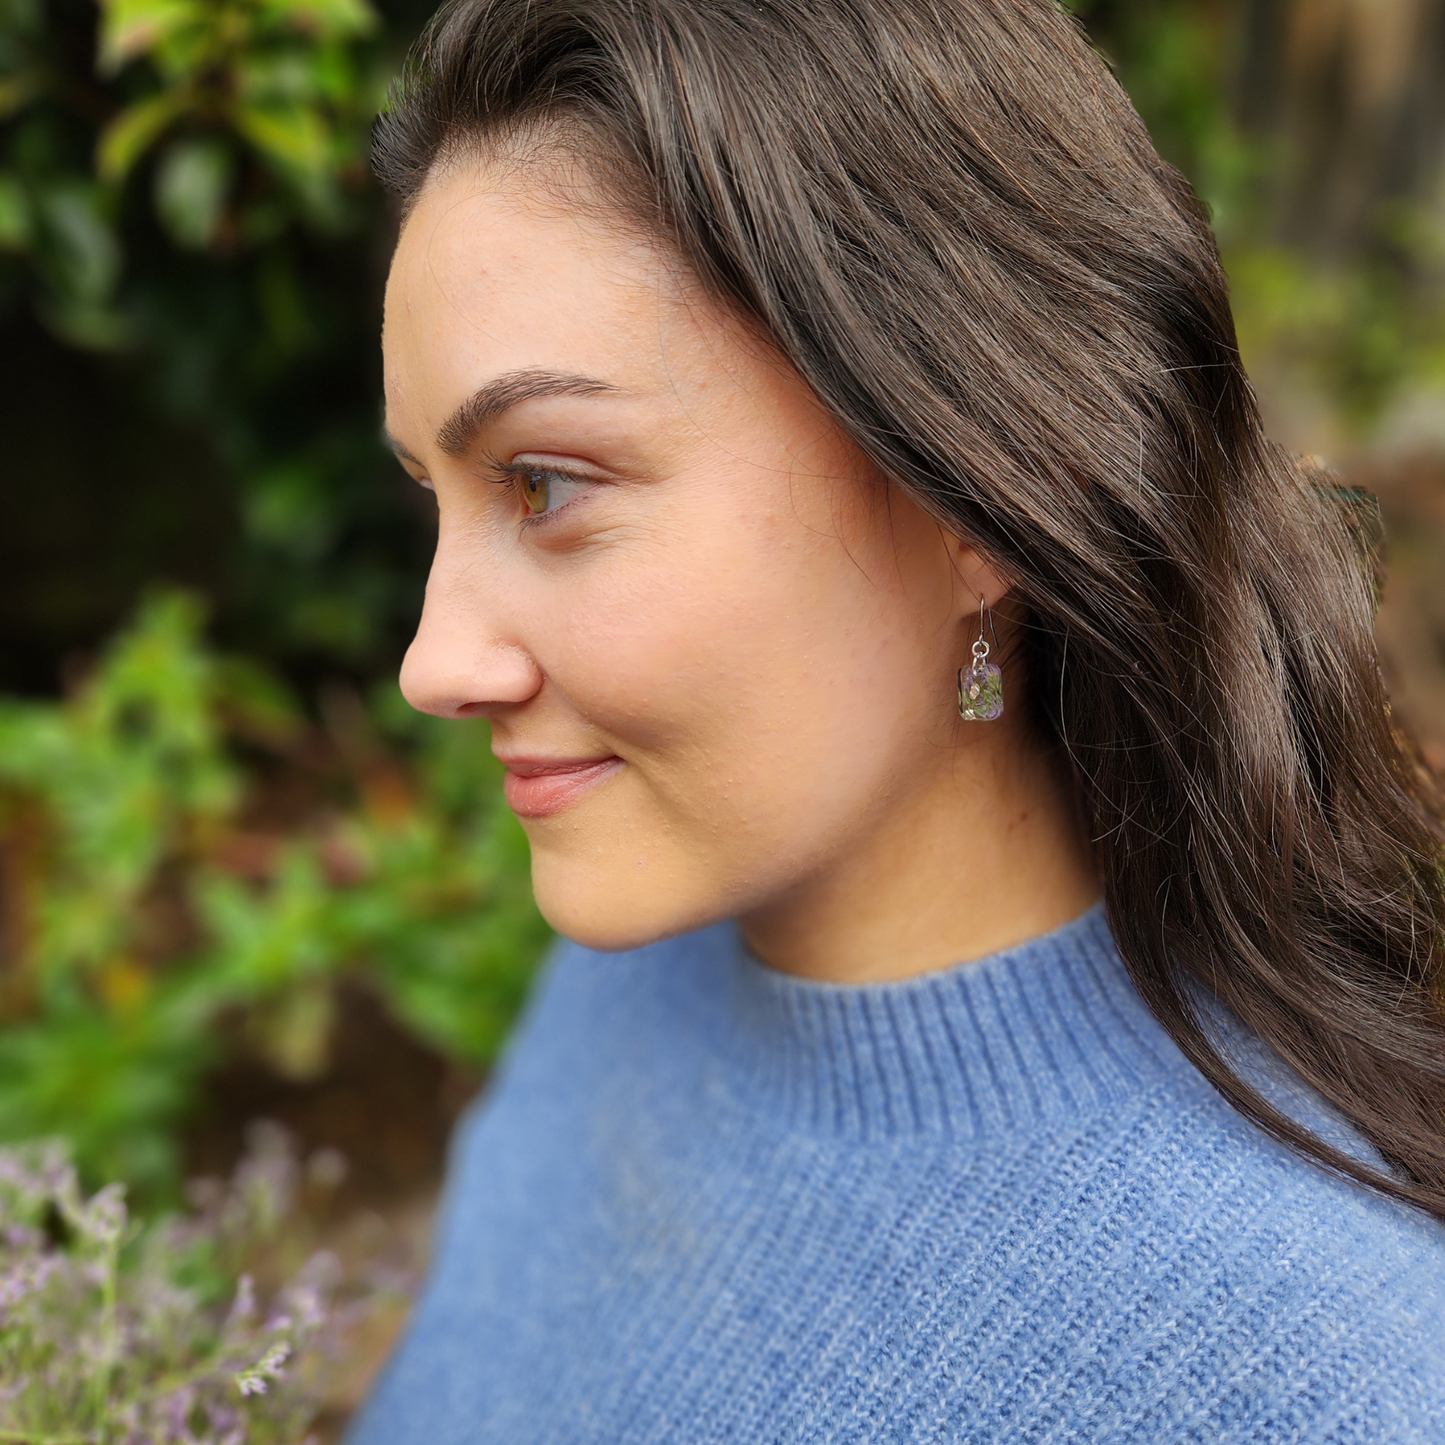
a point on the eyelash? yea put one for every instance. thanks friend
(513, 474)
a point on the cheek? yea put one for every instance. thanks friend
(761, 678)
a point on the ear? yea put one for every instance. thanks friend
(978, 578)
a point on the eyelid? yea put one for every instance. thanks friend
(543, 462)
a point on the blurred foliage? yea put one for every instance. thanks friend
(191, 255)
(1173, 57)
(248, 114)
(151, 887)
(1355, 323)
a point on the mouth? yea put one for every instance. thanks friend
(538, 787)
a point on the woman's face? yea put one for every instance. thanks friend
(717, 650)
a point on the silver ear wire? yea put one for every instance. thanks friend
(980, 685)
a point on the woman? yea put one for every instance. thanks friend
(914, 1071)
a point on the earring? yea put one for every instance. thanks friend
(980, 685)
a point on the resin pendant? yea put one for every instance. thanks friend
(980, 692)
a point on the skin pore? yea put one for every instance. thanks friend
(716, 648)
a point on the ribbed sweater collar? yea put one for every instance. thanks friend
(1052, 1026)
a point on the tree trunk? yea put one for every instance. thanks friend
(1353, 93)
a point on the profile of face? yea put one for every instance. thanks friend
(717, 649)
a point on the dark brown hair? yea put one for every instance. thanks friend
(950, 219)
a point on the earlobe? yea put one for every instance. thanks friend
(981, 580)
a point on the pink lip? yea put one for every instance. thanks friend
(538, 787)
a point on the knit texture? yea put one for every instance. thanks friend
(703, 1201)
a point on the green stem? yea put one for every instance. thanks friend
(109, 1335)
(177, 1378)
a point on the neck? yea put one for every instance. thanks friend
(982, 855)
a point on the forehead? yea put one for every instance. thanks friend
(495, 273)
(483, 224)
(492, 263)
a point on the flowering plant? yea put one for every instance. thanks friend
(113, 1333)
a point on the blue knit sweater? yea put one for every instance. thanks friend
(704, 1201)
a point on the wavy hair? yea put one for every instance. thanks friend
(952, 222)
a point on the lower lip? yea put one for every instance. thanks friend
(542, 794)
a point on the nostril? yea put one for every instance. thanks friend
(450, 673)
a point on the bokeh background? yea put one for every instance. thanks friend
(238, 878)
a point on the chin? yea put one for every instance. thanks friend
(600, 909)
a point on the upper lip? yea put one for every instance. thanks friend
(535, 767)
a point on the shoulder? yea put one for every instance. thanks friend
(1176, 1274)
(1287, 1286)
(1206, 1265)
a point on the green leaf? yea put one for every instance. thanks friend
(17, 91)
(20, 17)
(326, 19)
(295, 137)
(133, 131)
(130, 28)
(287, 505)
(84, 252)
(86, 324)
(192, 182)
(14, 215)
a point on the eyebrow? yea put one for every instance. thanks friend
(499, 395)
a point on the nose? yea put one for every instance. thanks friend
(461, 663)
